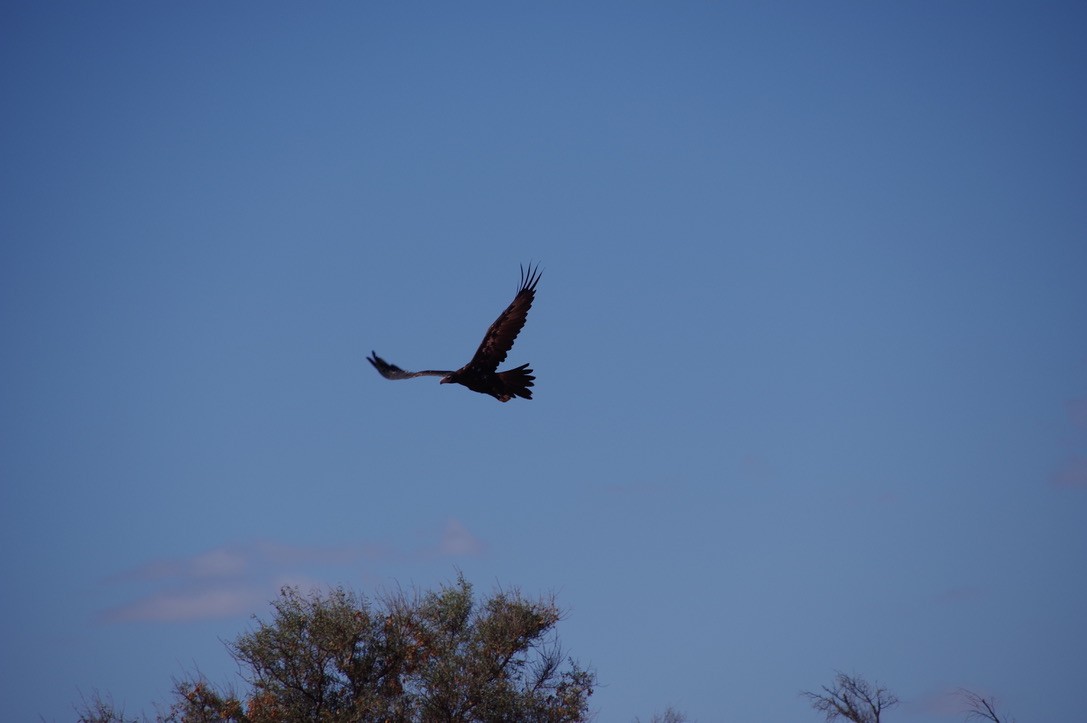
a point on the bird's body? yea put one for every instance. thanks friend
(481, 373)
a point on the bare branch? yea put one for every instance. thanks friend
(852, 698)
(981, 708)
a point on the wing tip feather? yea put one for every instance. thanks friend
(529, 277)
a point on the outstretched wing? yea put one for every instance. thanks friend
(500, 337)
(391, 371)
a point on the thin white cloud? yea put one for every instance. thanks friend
(1077, 412)
(290, 555)
(950, 701)
(458, 541)
(1072, 474)
(188, 605)
(935, 703)
(234, 580)
(219, 563)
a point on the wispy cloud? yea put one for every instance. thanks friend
(1077, 412)
(220, 562)
(233, 580)
(946, 702)
(457, 541)
(950, 703)
(1072, 474)
(183, 604)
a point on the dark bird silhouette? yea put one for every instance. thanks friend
(481, 373)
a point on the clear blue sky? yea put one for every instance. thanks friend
(811, 338)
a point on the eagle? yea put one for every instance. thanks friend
(481, 373)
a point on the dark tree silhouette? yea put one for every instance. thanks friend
(853, 698)
(670, 715)
(981, 708)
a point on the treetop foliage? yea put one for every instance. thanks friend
(443, 656)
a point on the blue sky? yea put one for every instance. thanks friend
(812, 369)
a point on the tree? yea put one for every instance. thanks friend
(853, 698)
(101, 709)
(439, 657)
(980, 708)
(670, 715)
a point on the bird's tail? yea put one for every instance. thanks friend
(516, 383)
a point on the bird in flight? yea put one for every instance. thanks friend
(481, 373)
